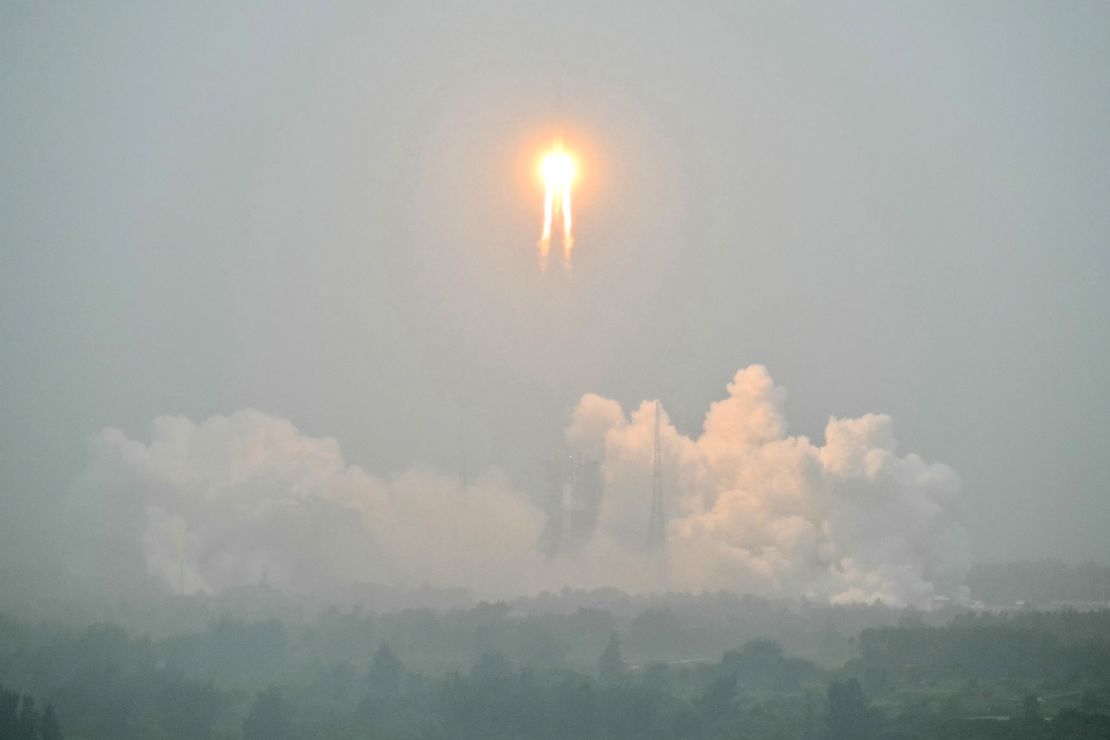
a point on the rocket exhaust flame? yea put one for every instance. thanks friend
(557, 169)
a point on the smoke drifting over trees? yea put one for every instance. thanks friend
(249, 498)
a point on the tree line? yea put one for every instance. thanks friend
(487, 673)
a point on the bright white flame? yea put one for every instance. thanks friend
(557, 169)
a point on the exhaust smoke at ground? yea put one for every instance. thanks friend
(248, 498)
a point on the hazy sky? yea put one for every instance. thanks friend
(328, 212)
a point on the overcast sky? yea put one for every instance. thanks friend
(328, 211)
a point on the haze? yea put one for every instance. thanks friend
(328, 216)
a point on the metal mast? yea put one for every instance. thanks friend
(462, 482)
(656, 529)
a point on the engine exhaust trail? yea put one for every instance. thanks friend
(557, 170)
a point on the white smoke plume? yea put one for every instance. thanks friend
(753, 509)
(245, 498)
(248, 498)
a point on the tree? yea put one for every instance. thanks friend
(763, 664)
(658, 676)
(270, 718)
(28, 720)
(50, 728)
(610, 666)
(1030, 710)
(538, 648)
(492, 669)
(9, 713)
(717, 703)
(575, 707)
(847, 715)
(386, 671)
(189, 709)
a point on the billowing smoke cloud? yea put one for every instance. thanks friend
(247, 498)
(754, 509)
